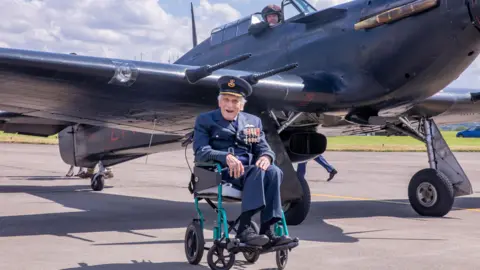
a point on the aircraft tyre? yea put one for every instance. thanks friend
(98, 182)
(431, 193)
(297, 211)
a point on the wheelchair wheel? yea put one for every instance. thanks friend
(194, 243)
(281, 257)
(217, 261)
(252, 257)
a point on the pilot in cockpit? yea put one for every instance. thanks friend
(272, 14)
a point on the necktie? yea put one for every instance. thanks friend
(234, 124)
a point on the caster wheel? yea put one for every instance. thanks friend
(194, 243)
(219, 258)
(281, 257)
(98, 182)
(252, 257)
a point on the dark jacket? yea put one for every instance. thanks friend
(213, 136)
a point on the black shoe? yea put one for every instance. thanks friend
(277, 240)
(332, 174)
(249, 237)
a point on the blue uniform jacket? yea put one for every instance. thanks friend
(213, 136)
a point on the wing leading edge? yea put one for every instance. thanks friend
(126, 94)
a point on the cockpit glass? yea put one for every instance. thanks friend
(293, 8)
(289, 11)
(304, 6)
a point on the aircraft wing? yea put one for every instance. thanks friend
(28, 125)
(449, 106)
(129, 95)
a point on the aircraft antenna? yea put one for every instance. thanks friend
(194, 29)
(151, 137)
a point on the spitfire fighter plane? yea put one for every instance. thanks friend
(367, 63)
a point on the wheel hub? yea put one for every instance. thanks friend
(191, 244)
(427, 194)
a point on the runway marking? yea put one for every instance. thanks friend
(379, 200)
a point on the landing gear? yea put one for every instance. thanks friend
(81, 172)
(70, 171)
(88, 173)
(296, 194)
(98, 179)
(432, 191)
(98, 182)
(297, 211)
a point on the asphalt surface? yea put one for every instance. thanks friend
(360, 220)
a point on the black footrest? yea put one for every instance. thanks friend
(290, 245)
(237, 247)
(241, 247)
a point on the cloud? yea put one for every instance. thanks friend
(112, 28)
(126, 29)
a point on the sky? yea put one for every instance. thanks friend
(151, 30)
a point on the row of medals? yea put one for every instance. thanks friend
(252, 135)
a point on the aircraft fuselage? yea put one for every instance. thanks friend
(389, 65)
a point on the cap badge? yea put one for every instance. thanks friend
(231, 83)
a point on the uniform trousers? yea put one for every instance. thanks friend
(260, 190)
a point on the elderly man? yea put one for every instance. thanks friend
(237, 141)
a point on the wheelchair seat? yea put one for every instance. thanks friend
(229, 193)
(205, 182)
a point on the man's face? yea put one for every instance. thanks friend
(272, 19)
(230, 106)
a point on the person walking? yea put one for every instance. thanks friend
(302, 168)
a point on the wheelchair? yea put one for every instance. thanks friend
(206, 183)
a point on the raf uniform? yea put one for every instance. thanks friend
(214, 138)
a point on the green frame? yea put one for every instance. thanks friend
(280, 228)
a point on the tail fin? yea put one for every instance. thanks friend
(194, 29)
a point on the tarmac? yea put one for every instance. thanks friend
(359, 220)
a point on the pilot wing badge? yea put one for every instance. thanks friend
(251, 134)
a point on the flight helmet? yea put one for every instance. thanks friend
(272, 9)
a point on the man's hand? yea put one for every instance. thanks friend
(263, 162)
(235, 166)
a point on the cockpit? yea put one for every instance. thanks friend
(291, 9)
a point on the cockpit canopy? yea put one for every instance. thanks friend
(291, 9)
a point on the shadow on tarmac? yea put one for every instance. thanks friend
(138, 266)
(101, 212)
(135, 265)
